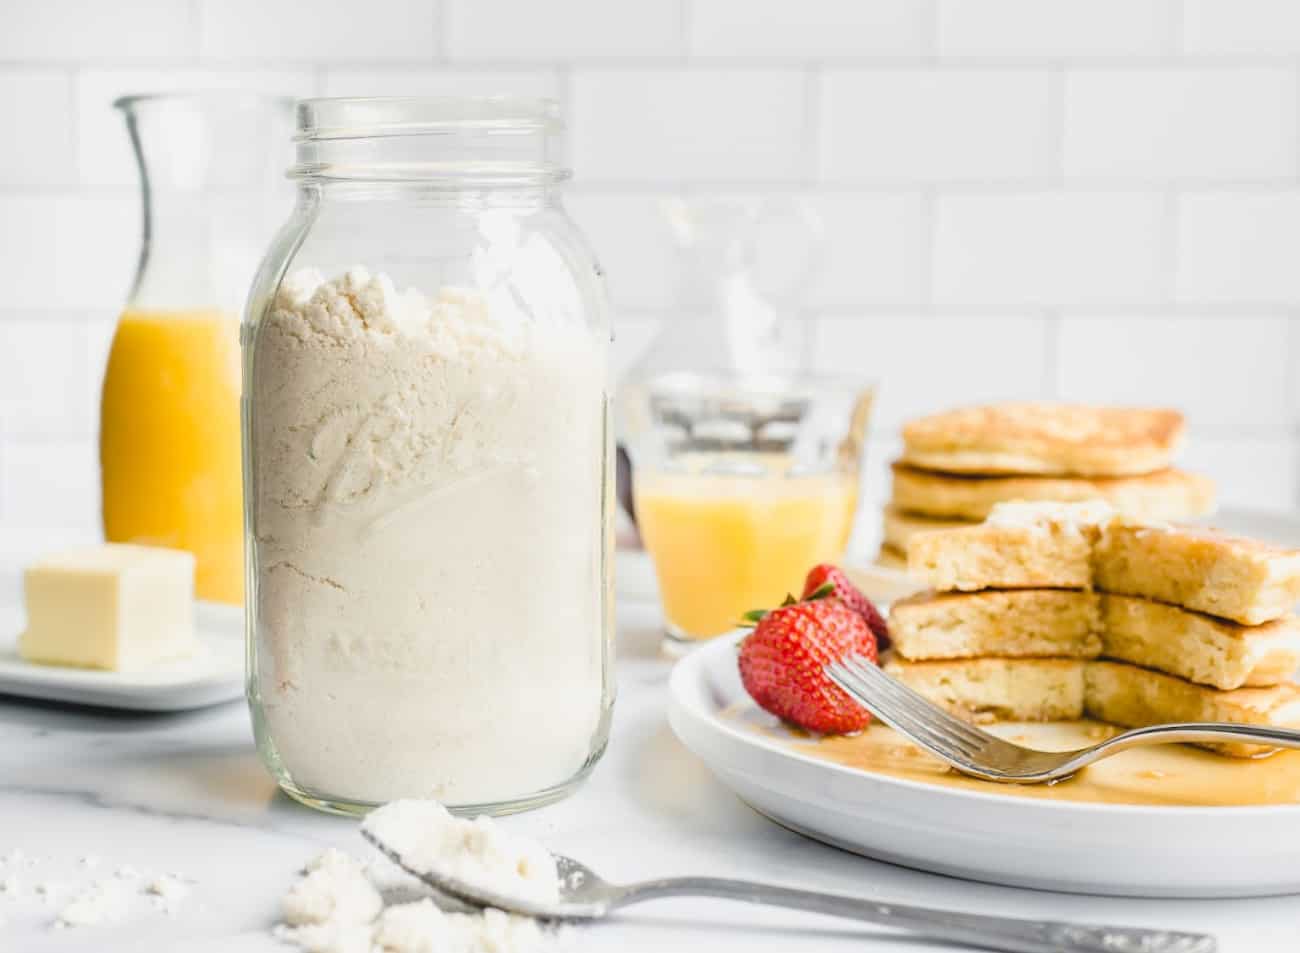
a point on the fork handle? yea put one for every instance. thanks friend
(971, 929)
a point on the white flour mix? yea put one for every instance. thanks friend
(428, 482)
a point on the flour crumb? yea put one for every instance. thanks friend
(333, 890)
(105, 901)
(89, 861)
(481, 852)
(10, 885)
(168, 891)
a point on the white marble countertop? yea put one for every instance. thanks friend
(186, 794)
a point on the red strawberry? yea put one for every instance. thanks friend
(781, 664)
(842, 588)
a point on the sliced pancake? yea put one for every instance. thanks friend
(1241, 579)
(1134, 697)
(1045, 438)
(899, 526)
(1163, 495)
(1021, 545)
(1018, 623)
(992, 689)
(1198, 647)
(891, 558)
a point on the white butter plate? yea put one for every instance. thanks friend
(1114, 849)
(215, 675)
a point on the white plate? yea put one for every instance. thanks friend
(1053, 845)
(216, 675)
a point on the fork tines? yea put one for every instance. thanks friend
(906, 711)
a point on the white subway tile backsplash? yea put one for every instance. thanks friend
(78, 30)
(1048, 248)
(49, 484)
(875, 249)
(1228, 374)
(1238, 247)
(103, 147)
(1242, 27)
(724, 125)
(633, 242)
(938, 125)
(1181, 123)
(441, 82)
(823, 29)
(1255, 473)
(67, 251)
(45, 378)
(560, 29)
(1013, 193)
(36, 109)
(923, 364)
(1056, 28)
(325, 31)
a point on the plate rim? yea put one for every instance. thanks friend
(220, 630)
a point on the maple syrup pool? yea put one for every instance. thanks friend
(1155, 775)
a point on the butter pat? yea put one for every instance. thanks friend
(114, 606)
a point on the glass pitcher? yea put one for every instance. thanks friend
(169, 414)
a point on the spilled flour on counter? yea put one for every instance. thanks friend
(336, 905)
(110, 899)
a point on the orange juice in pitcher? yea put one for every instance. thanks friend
(169, 444)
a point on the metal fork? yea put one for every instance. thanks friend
(982, 755)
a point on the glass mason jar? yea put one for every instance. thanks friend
(427, 465)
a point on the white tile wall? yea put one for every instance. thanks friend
(1040, 29)
(560, 29)
(695, 125)
(938, 125)
(926, 363)
(1049, 248)
(1095, 199)
(1180, 123)
(319, 31)
(824, 29)
(1241, 27)
(36, 104)
(1106, 359)
(1238, 247)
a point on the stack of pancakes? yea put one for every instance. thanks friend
(1053, 611)
(957, 465)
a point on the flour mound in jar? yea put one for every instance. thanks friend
(427, 517)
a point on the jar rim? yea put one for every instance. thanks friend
(365, 117)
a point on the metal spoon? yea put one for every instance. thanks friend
(585, 896)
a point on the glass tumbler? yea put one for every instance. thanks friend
(427, 465)
(741, 483)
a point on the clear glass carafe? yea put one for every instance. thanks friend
(169, 437)
(427, 454)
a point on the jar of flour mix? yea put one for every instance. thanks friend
(426, 452)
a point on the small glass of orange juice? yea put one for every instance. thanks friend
(740, 485)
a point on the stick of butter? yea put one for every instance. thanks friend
(114, 606)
